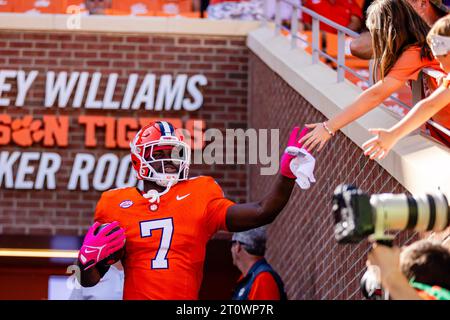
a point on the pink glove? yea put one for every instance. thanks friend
(97, 247)
(286, 158)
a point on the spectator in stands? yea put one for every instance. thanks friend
(399, 53)
(419, 271)
(437, 105)
(98, 7)
(344, 12)
(258, 281)
(429, 10)
(236, 10)
(202, 6)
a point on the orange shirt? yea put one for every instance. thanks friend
(165, 249)
(408, 67)
(264, 288)
(340, 12)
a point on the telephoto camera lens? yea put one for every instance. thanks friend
(358, 215)
(422, 212)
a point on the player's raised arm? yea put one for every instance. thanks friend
(254, 214)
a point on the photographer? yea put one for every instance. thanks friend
(419, 271)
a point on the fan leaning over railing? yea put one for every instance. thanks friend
(404, 66)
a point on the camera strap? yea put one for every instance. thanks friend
(434, 291)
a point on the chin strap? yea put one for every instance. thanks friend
(153, 195)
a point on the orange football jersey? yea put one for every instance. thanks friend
(165, 249)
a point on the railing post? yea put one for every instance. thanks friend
(341, 56)
(417, 89)
(277, 17)
(266, 18)
(315, 40)
(294, 27)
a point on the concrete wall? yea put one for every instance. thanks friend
(302, 245)
(287, 90)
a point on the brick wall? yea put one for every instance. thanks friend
(223, 60)
(302, 246)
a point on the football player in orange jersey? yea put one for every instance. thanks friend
(168, 223)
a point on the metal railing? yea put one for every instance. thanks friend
(339, 61)
(315, 43)
(418, 93)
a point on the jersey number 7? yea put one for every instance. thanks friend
(166, 225)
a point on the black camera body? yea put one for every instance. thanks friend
(352, 213)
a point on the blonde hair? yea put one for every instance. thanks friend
(395, 26)
(440, 28)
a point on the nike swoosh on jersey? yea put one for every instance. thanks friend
(90, 251)
(182, 197)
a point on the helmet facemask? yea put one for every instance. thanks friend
(153, 169)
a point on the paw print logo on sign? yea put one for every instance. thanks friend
(26, 131)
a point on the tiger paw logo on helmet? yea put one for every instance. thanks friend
(148, 160)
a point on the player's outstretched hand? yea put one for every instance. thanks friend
(99, 245)
(287, 157)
